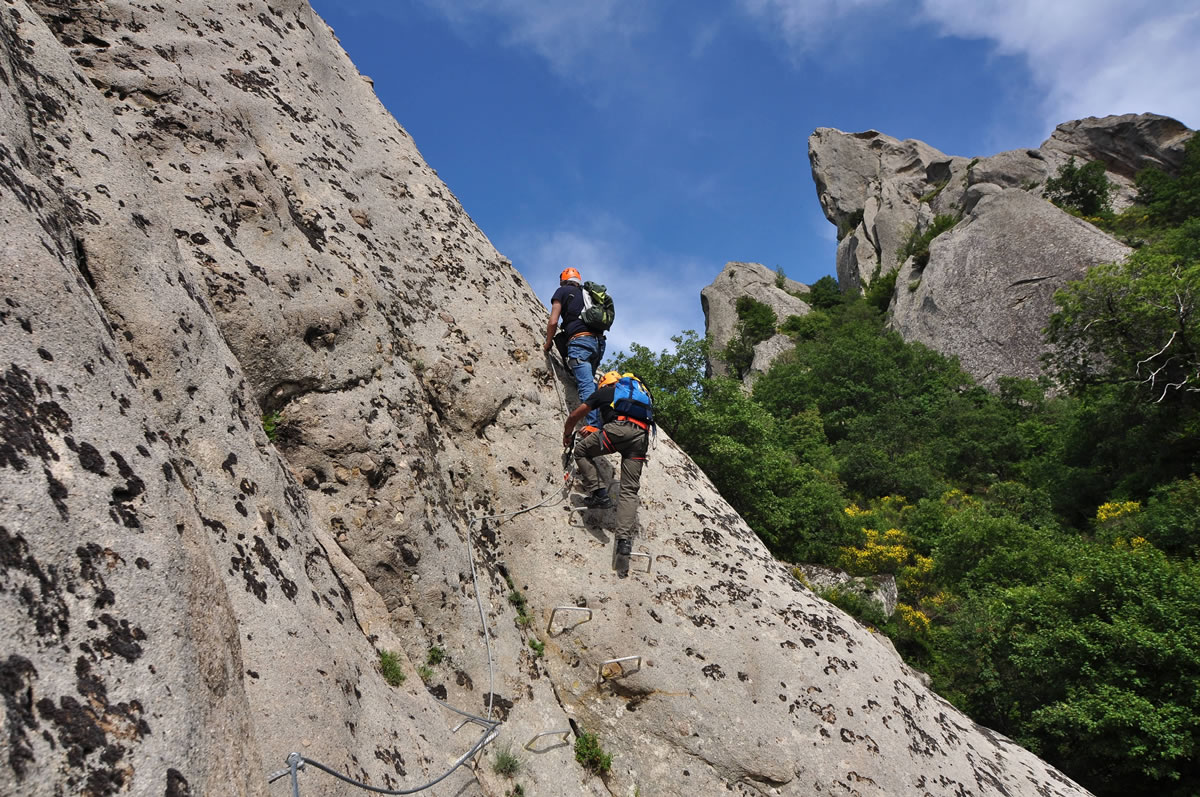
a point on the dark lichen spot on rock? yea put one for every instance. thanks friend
(500, 706)
(22, 421)
(122, 639)
(45, 606)
(58, 493)
(122, 510)
(91, 459)
(268, 560)
(177, 785)
(17, 674)
(78, 733)
(229, 462)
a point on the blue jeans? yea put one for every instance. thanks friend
(583, 357)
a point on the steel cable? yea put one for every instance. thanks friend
(296, 762)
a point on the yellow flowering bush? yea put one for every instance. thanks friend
(941, 602)
(912, 619)
(914, 579)
(883, 552)
(1116, 509)
(957, 499)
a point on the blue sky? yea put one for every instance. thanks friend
(648, 142)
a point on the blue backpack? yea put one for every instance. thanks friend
(633, 400)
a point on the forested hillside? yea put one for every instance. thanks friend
(1043, 536)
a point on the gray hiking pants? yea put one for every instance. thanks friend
(631, 442)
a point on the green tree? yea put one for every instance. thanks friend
(1135, 322)
(1096, 667)
(825, 294)
(1172, 200)
(901, 418)
(1084, 189)
(675, 377)
(1171, 517)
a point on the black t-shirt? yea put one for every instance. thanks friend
(603, 398)
(570, 297)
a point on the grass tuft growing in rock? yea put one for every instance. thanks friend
(506, 763)
(389, 666)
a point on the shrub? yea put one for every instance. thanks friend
(848, 226)
(756, 323)
(425, 672)
(590, 755)
(805, 327)
(1083, 189)
(855, 604)
(879, 292)
(1172, 200)
(436, 656)
(270, 424)
(539, 647)
(917, 244)
(756, 320)
(389, 666)
(937, 189)
(880, 552)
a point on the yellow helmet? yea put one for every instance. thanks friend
(609, 378)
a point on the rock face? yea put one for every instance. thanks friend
(1126, 144)
(987, 288)
(719, 302)
(208, 218)
(983, 297)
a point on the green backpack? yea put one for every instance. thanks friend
(598, 311)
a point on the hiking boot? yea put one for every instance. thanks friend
(598, 499)
(624, 546)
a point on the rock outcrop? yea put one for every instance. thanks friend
(985, 291)
(988, 289)
(208, 219)
(719, 302)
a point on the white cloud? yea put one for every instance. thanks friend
(804, 24)
(1087, 57)
(656, 295)
(577, 39)
(1092, 57)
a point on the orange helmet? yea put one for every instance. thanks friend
(609, 378)
(569, 274)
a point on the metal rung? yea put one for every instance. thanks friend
(640, 555)
(565, 733)
(620, 664)
(558, 609)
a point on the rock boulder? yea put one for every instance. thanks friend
(989, 285)
(719, 302)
